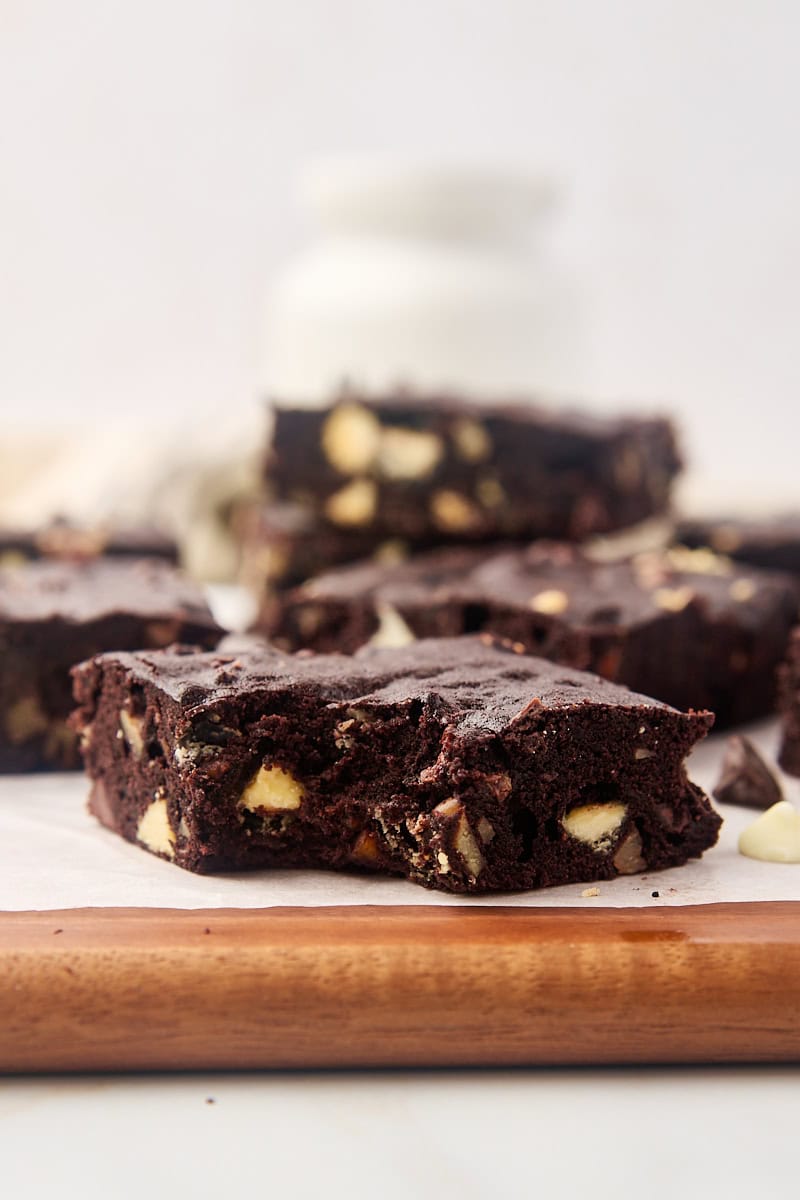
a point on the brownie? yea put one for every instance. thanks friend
(685, 626)
(441, 468)
(789, 757)
(282, 545)
(456, 763)
(63, 540)
(772, 543)
(53, 614)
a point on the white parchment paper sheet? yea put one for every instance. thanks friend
(54, 855)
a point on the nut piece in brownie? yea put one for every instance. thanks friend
(63, 540)
(438, 468)
(686, 626)
(53, 614)
(789, 757)
(772, 542)
(456, 763)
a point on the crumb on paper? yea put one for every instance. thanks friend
(655, 895)
(588, 893)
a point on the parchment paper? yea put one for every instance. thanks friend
(54, 855)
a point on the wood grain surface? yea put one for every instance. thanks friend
(102, 989)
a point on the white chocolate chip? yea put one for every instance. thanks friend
(774, 836)
(155, 831)
(444, 862)
(351, 438)
(273, 789)
(408, 453)
(551, 601)
(453, 512)
(468, 848)
(464, 841)
(595, 824)
(628, 858)
(471, 440)
(490, 492)
(132, 729)
(742, 590)
(641, 753)
(354, 504)
(673, 599)
(700, 561)
(392, 629)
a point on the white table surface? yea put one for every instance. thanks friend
(573, 1133)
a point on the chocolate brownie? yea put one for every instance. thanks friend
(282, 545)
(772, 543)
(456, 763)
(63, 540)
(439, 468)
(789, 757)
(53, 614)
(685, 626)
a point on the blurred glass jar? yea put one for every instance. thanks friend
(431, 278)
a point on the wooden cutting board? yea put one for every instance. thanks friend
(110, 989)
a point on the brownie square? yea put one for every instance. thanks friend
(64, 540)
(440, 468)
(686, 626)
(458, 763)
(789, 757)
(53, 614)
(769, 542)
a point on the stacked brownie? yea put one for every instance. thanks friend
(386, 477)
(69, 542)
(688, 627)
(55, 613)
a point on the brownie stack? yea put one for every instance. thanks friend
(386, 477)
(445, 719)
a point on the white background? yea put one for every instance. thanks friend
(150, 153)
(148, 156)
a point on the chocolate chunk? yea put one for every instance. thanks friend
(745, 778)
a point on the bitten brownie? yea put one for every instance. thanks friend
(53, 614)
(63, 540)
(439, 468)
(685, 626)
(456, 763)
(772, 543)
(789, 757)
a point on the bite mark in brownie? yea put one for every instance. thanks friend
(456, 763)
(54, 614)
